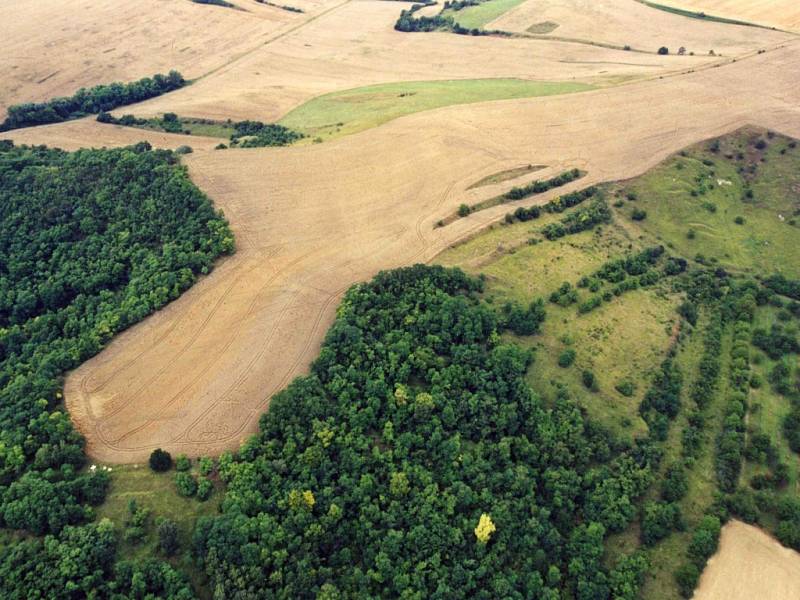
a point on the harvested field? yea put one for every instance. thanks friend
(356, 45)
(783, 14)
(88, 42)
(311, 220)
(750, 564)
(628, 22)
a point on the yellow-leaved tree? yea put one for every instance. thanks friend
(485, 528)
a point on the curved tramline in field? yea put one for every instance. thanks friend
(310, 220)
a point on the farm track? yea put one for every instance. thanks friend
(312, 220)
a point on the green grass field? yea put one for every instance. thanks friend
(350, 111)
(693, 202)
(476, 17)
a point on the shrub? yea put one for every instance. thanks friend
(687, 577)
(182, 463)
(168, 537)
(626, 387)
(183, 150)
(589, 380)
(675, 483)
(185, 484)
(160, 460)
(566, 358)
(659, 519)
(204, 489)
(638, 214)
(464, 210)
(663, 50)
(206, 465)
(739, 220)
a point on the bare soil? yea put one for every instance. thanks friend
(749, 565)
(53, 47)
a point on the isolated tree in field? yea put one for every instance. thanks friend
(160, 460)
(663, 50)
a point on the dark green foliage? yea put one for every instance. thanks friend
(703, 544)
(539, 187)
(524, 321)
(776, 342)
(662, 401)
(687, 577)
(255, 134)
(675, 483)
(688, 310)
(663, 50)
(564, 295)
(92, 242)
(638, 214)
(783, 286)
(659, 519)
(626, 387)
(182, 463)
(204, 489)
(222, 3)
(566, 358)
(628, 576)
(160, 460)
(580, 219)
(186, 484)
(80, 563)
(136, 525)
(369, 475)
(589, 380)
(562, 203)
(101, 98)
(168, 537)
(283, 6)
(526, 214)
(791, 428)
(464, 210)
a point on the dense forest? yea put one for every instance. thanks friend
(92, 242)
(415, 462)
(90, 101)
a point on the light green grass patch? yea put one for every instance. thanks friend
(476, 17)
(767, 241)
(341, 113)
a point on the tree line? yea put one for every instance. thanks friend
(90, 101)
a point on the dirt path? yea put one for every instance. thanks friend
(311, 220)
(750, 565)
